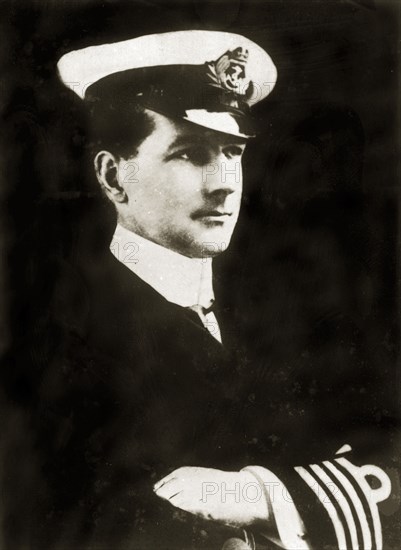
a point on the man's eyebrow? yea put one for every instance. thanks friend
(188, 139)
(191, 139)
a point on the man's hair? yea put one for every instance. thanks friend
(118, 126)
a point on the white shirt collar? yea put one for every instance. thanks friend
(181, 280)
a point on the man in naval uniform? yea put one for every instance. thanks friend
(151, 439)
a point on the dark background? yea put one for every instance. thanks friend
(313, 265)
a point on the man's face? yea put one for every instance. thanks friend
(183, 187)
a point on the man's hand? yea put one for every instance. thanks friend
(232, 498)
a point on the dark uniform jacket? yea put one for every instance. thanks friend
(134, 387)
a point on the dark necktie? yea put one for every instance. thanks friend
(208, 319)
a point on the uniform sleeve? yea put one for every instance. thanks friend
(330, 504)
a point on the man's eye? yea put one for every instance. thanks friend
(233, 151)
(196, 155)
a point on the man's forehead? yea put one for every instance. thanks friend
(182, 132)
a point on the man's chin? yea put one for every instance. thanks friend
(200, 244)
(211, 244)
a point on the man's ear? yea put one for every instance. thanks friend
(106, 168)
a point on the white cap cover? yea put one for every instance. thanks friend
(238, 72)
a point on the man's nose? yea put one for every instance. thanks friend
(222, 175)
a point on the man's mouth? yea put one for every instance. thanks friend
(217, 214)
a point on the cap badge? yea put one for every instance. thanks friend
(229, 72)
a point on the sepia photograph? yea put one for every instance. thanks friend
(200, 331)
